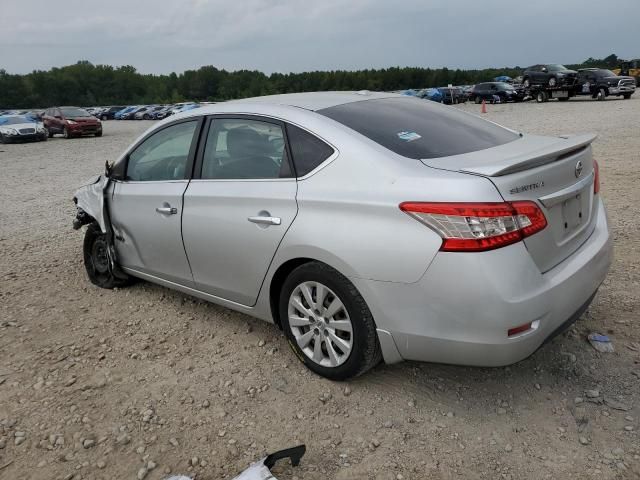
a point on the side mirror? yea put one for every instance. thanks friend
(544, 69)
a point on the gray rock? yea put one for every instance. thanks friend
(584, 440)
(592, 393)
(88, 443)
(142, 473)
(508, 447)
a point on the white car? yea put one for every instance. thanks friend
(21, 128)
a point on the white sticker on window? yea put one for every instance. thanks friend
(408, 136)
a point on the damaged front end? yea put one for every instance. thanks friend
(91, 205)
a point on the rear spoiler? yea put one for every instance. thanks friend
(528, 152)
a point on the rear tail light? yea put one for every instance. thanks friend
(517, 330)
(477, 227)
(596, 180)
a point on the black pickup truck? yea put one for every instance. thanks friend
(601, 83)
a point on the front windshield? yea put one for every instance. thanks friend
(15, 120)
(72, 112)
(556, 67)
(606, 73)
(506, 86)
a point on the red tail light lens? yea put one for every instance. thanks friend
(477, 227)
(596, 180)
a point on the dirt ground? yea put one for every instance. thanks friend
(144, 382)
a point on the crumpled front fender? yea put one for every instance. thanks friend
(90, 198)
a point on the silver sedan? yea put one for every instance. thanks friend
(367, 226)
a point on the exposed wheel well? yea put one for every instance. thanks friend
(278, 280)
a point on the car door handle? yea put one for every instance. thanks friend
(265, 220)
(167, 210)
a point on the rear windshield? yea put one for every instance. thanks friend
(416, 128)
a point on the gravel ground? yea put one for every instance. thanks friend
(142, 382)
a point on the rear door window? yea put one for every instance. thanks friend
(238, 148)
(308, 151)
(417, 129)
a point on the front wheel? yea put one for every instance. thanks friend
(327, 322)
(96, 259)
(65, 133)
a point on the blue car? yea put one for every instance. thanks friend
(125, 111)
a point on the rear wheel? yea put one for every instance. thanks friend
(96, 259)
(542, 97)
(327, 322)
(601, 95)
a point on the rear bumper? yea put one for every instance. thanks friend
(461, 309)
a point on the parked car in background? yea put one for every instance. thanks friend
(109, 113)
(71, 122)
(125, 111)
(601, 83)
(452, 95)
(550, 75)
(183, 107)
(148, 112)
(21, 128)
(494, 92)
(482, 242)
(162, 112)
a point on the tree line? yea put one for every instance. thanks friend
(86, 84)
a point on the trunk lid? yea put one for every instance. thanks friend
(555, 172)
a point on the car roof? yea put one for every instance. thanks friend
(316, 100)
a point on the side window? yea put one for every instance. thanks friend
(244, 149)
(164, 155)
(307, 150)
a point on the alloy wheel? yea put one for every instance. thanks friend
(320, 324)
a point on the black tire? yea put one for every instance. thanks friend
(96, 261)
(541, 97)
(65, 133)
(50, 133)
(365, 352)
(146, 116)
(526, 83)
(627, 96)
(553, 82)
(98, 134)
(2, 139)
(601, 95)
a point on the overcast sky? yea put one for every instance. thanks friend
(160, 36)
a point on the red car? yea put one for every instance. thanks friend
(71, 122)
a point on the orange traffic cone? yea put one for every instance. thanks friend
(484, 107)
